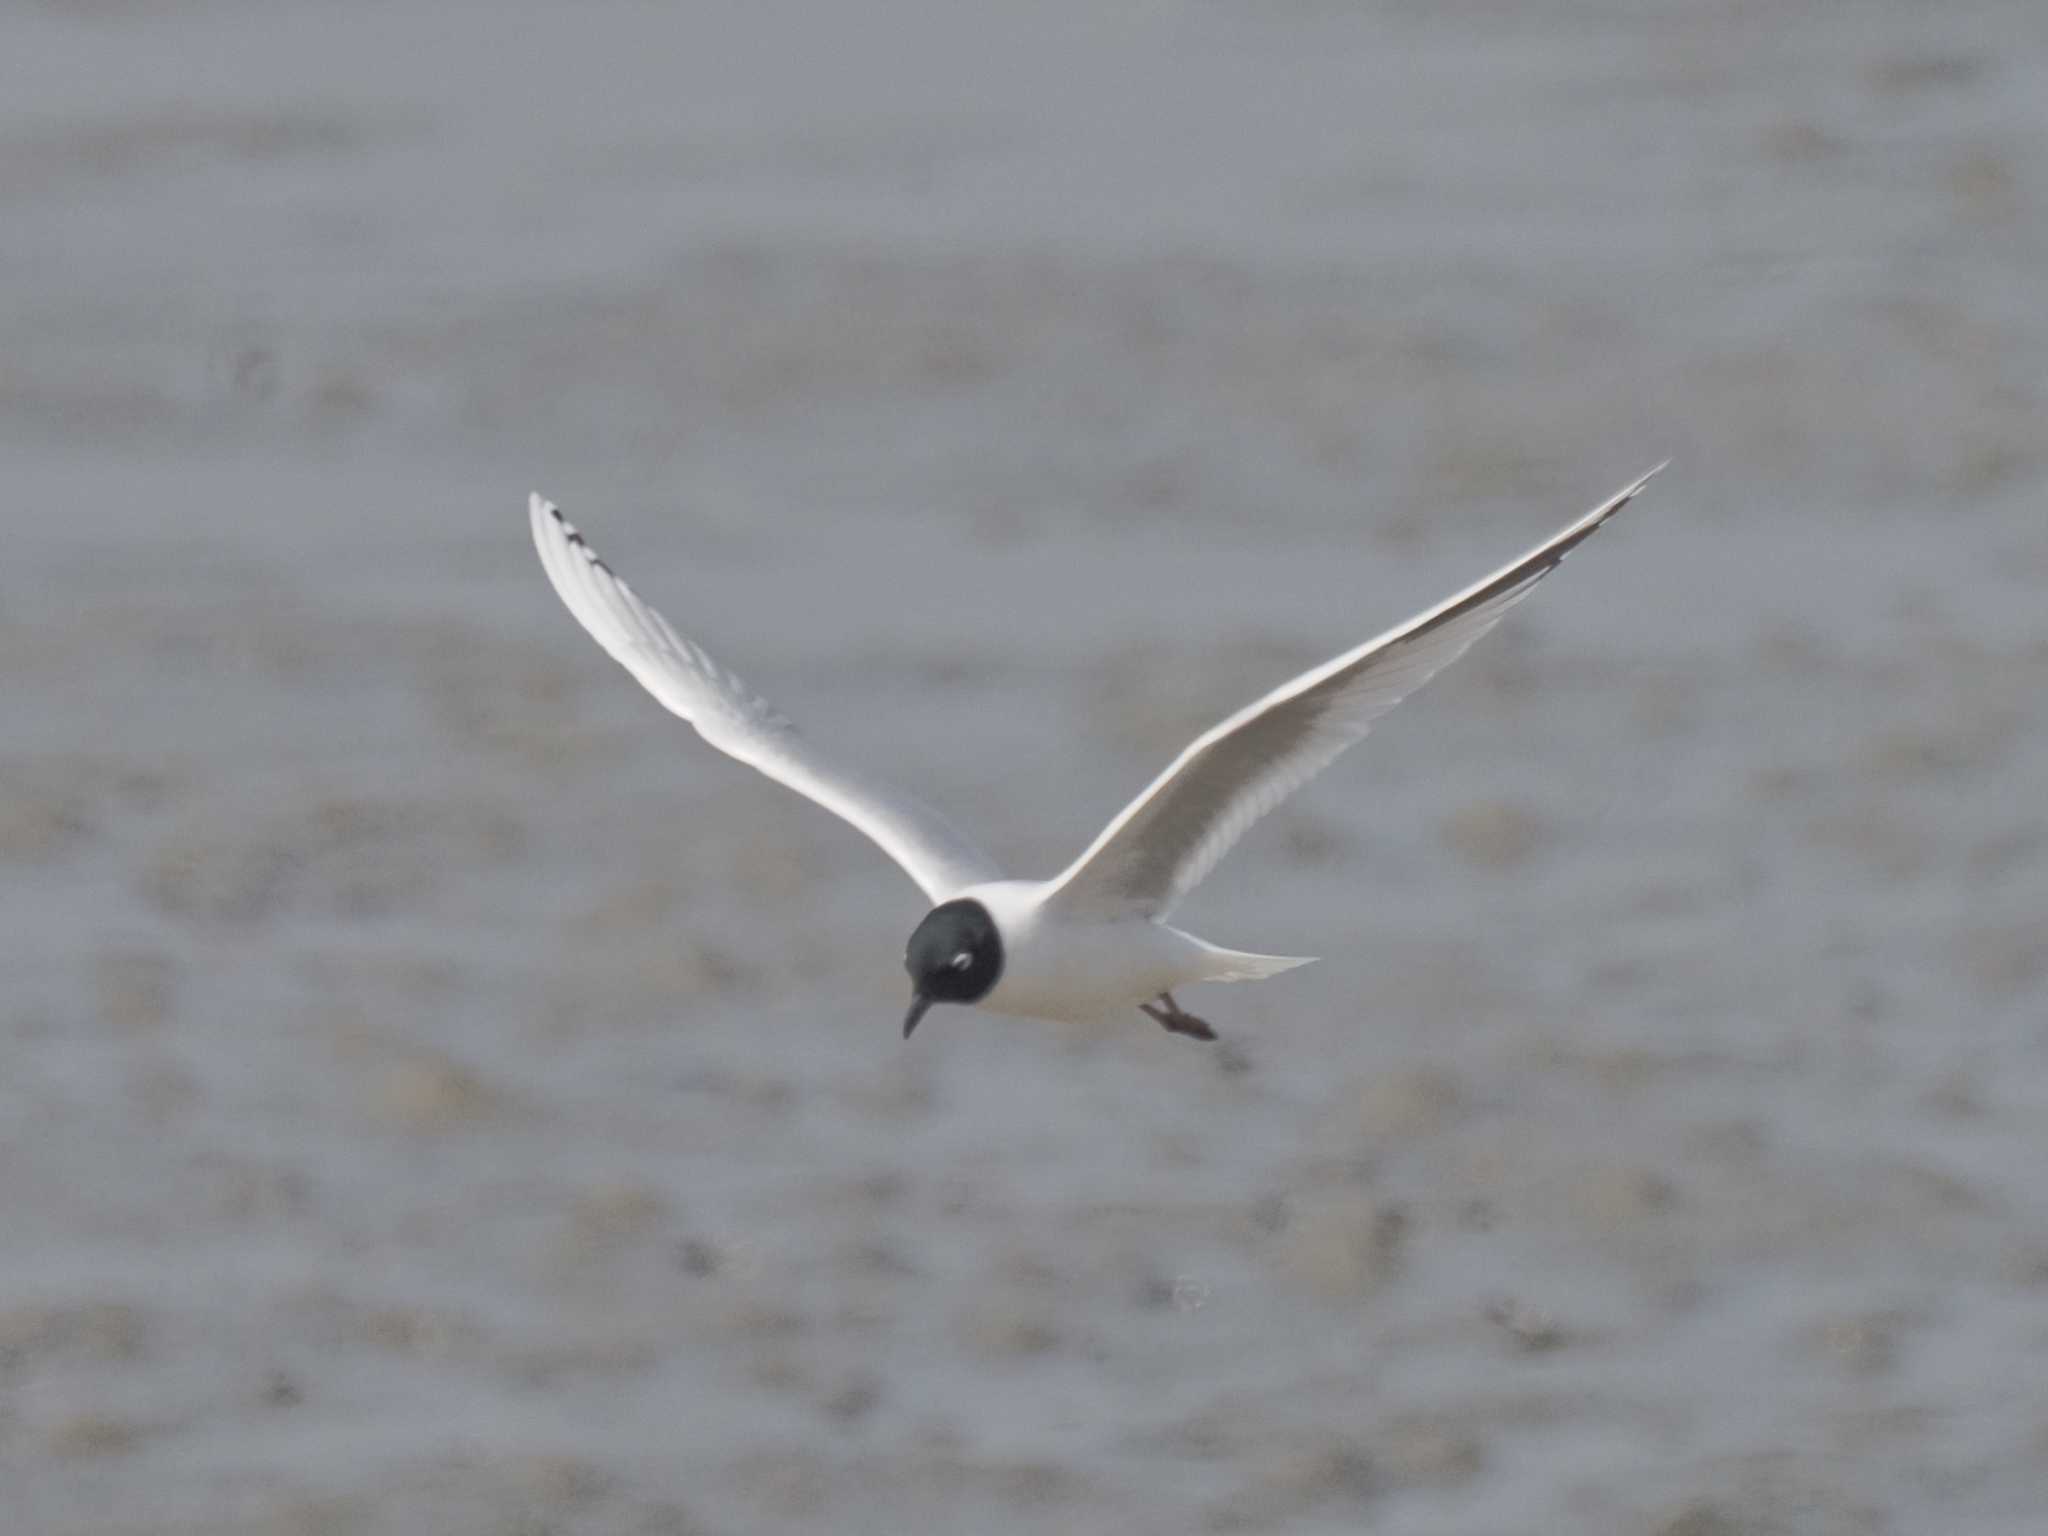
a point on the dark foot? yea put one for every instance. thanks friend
(1174, 1021)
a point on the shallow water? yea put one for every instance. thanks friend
(442, 1096)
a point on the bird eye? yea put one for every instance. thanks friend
(962, 960)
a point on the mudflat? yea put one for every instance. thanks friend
(442, 1096)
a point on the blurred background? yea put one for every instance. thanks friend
(440, 1095)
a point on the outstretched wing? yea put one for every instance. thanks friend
(739, 722)
(1161, 845)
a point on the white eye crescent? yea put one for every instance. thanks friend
(962, 961)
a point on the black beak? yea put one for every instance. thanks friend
(918, 1004)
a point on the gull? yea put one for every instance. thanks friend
(1093, 940)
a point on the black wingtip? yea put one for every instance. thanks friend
(572, 535)
(1641, 484)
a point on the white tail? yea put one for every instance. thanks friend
(1242, 965)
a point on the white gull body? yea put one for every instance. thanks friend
(1085, 972)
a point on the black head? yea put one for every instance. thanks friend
(955, 956)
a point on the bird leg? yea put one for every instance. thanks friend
(1175, 1021)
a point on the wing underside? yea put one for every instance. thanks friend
(1161, 845)
(739, 722)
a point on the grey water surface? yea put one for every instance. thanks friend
(440, 1096)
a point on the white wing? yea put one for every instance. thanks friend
(1161, 845)
(739, 722)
